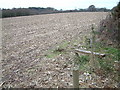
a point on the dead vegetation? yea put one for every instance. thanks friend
(110, 27)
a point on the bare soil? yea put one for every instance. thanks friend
(26, 41)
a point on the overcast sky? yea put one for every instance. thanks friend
(58, 4)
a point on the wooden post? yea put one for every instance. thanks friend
(76, 72)
(75, 78)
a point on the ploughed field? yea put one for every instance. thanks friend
(26, 40)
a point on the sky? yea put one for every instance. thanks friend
(58, 4)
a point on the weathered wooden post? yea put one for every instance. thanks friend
(76, 73)
(75, 78)
(92, 57)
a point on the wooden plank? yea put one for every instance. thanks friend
(89, 52)
(75, 78)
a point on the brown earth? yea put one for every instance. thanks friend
(26, 41)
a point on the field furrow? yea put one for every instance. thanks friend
(26, 40)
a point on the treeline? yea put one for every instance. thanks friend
(49, 10)
(26, 11)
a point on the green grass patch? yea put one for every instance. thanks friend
(109, 63)
(64, 45)
(60, 49)
(81, 60)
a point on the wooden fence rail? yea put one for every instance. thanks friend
(89, 52)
